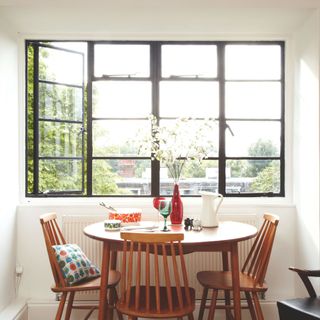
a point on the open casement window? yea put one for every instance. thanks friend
(56, 131)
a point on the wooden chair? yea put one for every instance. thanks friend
(154, 254)
(53, 236)
(252, 274)
(307, 308)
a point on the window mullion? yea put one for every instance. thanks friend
(36, 119)
(89, 118)
(155, 73)
(282, 137)
(222, 119)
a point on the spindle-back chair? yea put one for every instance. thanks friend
(252, 275)
(53, 236)
(156, 258)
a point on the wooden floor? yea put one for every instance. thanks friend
(38, 310)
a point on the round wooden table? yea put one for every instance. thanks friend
(224, 238)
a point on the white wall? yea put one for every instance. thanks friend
(8, 162)
(165, 19)
(306, 143)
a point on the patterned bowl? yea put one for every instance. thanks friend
(126, 215)
(112, 225)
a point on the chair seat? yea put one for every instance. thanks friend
(299, 309)
(164, 311)
(90, 284)
(222, 280)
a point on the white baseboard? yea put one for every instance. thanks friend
(45, 310)
(17, 310)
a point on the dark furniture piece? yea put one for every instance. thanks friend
(302, 308)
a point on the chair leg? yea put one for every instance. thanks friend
(69, 306)
(203, 303)
(112, 299)
(227, 300)
(116, 300)
(213, 304)
(251, 307)
(61, 306)
(257, 306)
(190, 316)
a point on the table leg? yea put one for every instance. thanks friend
(235, 280)
(112, 297)
(227, 299)
(103, 301)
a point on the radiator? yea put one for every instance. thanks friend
(72, 227)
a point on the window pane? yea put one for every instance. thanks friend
(253, 100)
(60, 175)
(129, 99)
(254, 139)
(188, 135)
(60, 139)
(189, 99)
(253, 176)
(253, 62)
(60, 66)
(60, 102)
(121, 60)
(189, 60)
(121, 177)
(118, 137)
(195, 177)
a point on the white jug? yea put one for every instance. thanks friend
(210, 205)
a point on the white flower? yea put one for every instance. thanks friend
(176, 142)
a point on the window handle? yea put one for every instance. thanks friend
(229, 128)
(82, 130)
(176, 76)
(125, 75)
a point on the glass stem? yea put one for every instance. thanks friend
(165, 224)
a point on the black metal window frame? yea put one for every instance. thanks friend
(155, 78)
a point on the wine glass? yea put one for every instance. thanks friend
(165, 210)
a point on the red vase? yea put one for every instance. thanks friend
(176, 215)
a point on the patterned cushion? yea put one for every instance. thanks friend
(74, 264)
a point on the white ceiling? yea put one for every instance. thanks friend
(149, 18)
(219, 3)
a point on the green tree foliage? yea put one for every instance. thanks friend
(30, 113)
(103, 179)
(268, 180)
(239, 168)
(194, 169)
(266, 173)
(262, 148)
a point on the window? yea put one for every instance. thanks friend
(86, 102)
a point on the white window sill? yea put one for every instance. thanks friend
(147, 202)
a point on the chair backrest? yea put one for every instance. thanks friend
(166, 247)
(258, 258)
(53, 236)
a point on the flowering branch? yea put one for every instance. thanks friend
(174, 143)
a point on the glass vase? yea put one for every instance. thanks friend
(176, 215)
